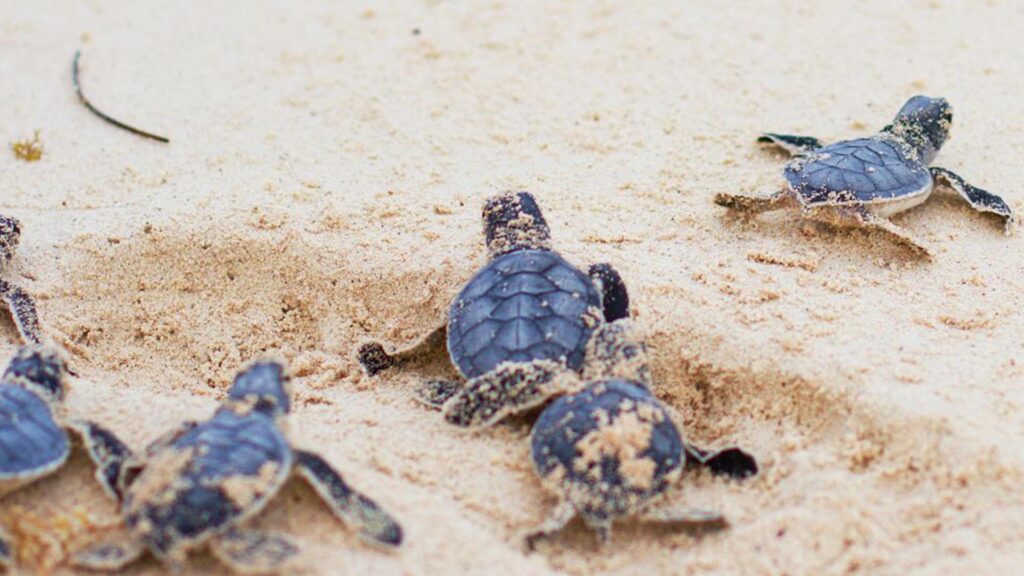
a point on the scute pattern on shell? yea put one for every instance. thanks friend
(30, 438)
(608, 449)
(853, 171)
(526, 305)
(186, 492)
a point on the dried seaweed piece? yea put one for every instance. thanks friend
(28, 150)
(105, 117)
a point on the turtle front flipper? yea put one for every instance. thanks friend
(349, 505)
(511, 387)
(793, 144)
(23, 310)
(107, 452)
(376, 356)
(614, 295)
(253, 552)
(435, 393)
(109, 556)
(980, 200)
(560, 516)
(732, 461)
(750, 205)
(854, 216)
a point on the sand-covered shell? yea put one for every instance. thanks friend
(523, 306)
(608, 449)
(208, 480)
(858, 171)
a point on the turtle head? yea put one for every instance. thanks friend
(262, 386)
(10, 234)
(514, 222)
(40, 368)
(924, 123)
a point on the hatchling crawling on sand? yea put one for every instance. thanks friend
(197, 486)
(528, 310)
(34, 440)
(606, 447)
(21, 305)
(862, 182)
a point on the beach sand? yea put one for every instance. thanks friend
(323, 185)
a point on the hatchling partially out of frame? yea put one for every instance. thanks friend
(197, 486)
(862, 182)
(20, 304)
(606, 447)
(526, 313)
(34, 440)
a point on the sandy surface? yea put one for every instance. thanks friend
(323, 185)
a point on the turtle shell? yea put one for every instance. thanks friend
(32, 444)
(608, 448)
(208, 480)
(857, 171)
(523, 306)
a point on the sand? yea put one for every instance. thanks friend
(323, 184)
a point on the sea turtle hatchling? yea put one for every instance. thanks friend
(862, 182)
(21, 305)
(527, 311)
(606, 446)
(34, 440)
(197, 486)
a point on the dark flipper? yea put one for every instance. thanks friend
(435, 393)
(792, 144)
(614, 296)
(979, 199)
(376, 357)
(351, 507)
(509, 388)
(253, 552)
(108, 453)
(23, 310)
(731, 462)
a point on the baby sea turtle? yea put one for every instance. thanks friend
(21, 305)
(198, 485)
(526, 314)
(34, 440)
(606, 447)
(862, 182)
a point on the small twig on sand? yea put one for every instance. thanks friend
(104, 117)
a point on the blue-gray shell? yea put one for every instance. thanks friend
(228, 448)
(855, 171)
(523, 306)
(562, 444)
(31, 441)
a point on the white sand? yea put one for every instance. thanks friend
(323, 185)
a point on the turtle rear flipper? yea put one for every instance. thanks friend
(349, 505)
(376, 356)
(750, 205)
(559, 517)
(109, 556)
(856, 216)
(689, 517)
(253, 552)
(107, 452)
(23, 310)
(793, 144)
(510, 388)
(980, 200)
